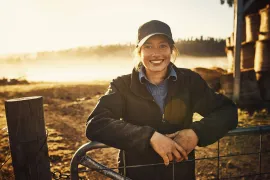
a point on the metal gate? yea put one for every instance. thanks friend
(81, 158)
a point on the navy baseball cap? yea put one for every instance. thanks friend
(152, 28)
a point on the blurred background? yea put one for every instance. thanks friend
(66, 40)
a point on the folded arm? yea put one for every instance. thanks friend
(219, 112)
(105, 124)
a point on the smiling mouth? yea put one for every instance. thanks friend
(156, 61)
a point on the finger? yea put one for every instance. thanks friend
(170, 156)
(182, 151)
(165, 159)
(181, 159)
(189, 151)
(177, 155)
(170, 135)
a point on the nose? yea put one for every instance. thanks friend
(155, 52)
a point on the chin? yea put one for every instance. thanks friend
(158, 69)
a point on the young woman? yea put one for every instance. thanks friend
(148, 114)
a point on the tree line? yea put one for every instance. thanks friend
(201, 47)
(190, 46)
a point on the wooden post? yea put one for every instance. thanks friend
(27, 137)
(237, 43)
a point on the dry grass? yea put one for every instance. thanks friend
(66, 108)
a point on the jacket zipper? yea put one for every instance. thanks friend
(162, 114)
(163, 119)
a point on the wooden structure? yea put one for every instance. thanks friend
(28, 140)
(241, 8)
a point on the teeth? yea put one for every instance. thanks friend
(156, 61)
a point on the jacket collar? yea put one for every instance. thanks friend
(140, 89)
(137, 87)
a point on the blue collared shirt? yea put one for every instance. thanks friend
(159, 92)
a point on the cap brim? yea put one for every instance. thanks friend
(150, 35)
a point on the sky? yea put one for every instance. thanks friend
(39, 25)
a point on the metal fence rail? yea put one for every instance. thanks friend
(81, 158)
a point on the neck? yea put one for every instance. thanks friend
(156, 77)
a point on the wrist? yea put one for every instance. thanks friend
(153, 137)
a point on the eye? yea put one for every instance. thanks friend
(147, 46)
(163, 46)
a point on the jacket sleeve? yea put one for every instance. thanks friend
(219, 113)
(105, 124)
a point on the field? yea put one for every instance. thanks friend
(67, 106)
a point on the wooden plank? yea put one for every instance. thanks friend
(237, 31)
(27, 136)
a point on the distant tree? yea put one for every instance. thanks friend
(229, 2)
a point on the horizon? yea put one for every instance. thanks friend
(38, 25)
(89, 69)
(192, 38)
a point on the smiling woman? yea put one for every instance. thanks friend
(148, 114)
(155, 52)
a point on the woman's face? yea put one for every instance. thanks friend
(156, 54)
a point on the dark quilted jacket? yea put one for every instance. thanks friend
(127, 116)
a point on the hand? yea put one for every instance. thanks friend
(186, 138)
(167, 148)
(173, 135)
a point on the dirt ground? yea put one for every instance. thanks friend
(67, 106)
